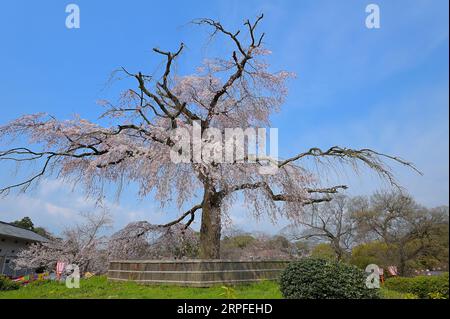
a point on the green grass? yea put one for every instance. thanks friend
(392, 294)
(100, 288)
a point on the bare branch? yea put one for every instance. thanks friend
(179, 219)
(240, 64)
(330, 190)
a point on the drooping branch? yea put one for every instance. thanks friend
(23, 154)
(190, 212)
(142, 228)
(370, 158)
(137, 236)
(68, 143)
(329, 190)
(25, 184)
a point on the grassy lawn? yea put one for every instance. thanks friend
(100, 288)
(392, 294)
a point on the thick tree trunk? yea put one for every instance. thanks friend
(210, 230)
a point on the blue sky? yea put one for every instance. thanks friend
(386, 89)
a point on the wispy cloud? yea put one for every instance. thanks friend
(56, 205)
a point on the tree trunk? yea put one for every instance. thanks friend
(211, 227)
(402, 263)
(337, 249)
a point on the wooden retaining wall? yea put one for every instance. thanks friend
(195, 273)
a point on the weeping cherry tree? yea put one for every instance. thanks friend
(234, 91)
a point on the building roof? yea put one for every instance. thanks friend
(18, 232)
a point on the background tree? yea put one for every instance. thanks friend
(331, 222)
(303, 248)
(43, 232)
(82, 244)
(434, 255)
(142, 240)
(236, 239)
(24, 223)
(246, 246)
(27, 223)
(323, 251)
(375, 252)
(409, 230)
(237, 91)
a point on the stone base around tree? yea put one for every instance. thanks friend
(195, 273)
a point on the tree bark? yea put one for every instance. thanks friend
(211, 226)
(402, 262)
(337, 249)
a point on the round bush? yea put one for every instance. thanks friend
(311, 278)
(7, 284)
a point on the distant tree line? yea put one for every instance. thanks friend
(387, 228)
(27, 223)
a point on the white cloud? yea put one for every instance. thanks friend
(56, 205)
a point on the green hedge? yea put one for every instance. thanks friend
(434, 287)
(311, 278)
(7, 284)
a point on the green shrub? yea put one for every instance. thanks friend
(427, 287)
(323, 251)
(436, 295)
(370, 253)
(8, 284)
(240, 241)
(312, 278)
